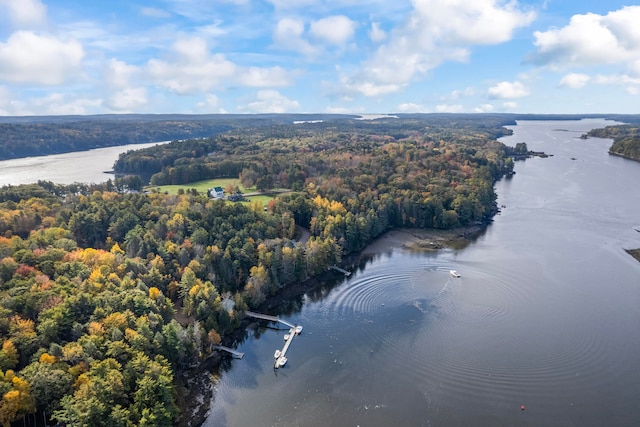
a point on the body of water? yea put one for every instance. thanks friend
(91, 166)
(546, 315)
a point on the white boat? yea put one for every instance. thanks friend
(282, 360)
(299, 329)
(454, 273)
(286, 337)
(276, 354)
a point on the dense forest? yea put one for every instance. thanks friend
(107, 295)
(626, 140)
(37, 136)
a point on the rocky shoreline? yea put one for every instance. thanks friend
(195, 387)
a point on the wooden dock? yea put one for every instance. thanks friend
(341, 270)
(293, 331)
(235, 353)
(269, 318)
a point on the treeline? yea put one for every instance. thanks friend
(37, 136)
(626, 140)
(91, 281)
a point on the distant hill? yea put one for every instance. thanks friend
(28, 136)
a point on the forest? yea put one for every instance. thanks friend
(626, 140)
(107, 296)
(38, 136)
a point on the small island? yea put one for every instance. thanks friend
(626, 140)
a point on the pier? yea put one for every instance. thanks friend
(234, 353)
(341, 270)
(269, 318)
(279, 355)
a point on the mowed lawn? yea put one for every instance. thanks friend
(203, 186)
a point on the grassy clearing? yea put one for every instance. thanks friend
(203, 186)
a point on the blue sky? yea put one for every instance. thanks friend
(318, 56)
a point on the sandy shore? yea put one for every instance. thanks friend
(424, 240)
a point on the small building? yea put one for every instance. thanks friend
(216, 193)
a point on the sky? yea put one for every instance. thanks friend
(60, 57)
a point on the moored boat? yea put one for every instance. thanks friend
(298, 329)
(454, 273)
(282, 360)
(276, 354)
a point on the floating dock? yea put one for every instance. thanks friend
(294, 330)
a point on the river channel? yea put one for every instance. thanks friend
(91, 166)
(546, 315)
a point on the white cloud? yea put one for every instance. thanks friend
(457, 94)
(336, 30)
(449, 108)
(435, 32)
(484, 108)
(289, 35)
(376, 34)
(592, 39)
(118, 73)
(410, 107)
(212, 105)
(510, 105)
(508, 90)
(191, 68)
(631, 83)
(574, 80)
(56, 104)
(5, 101)
(128, 99)
(265, 77)
(270, 101)
(30, 58)
(154, 12)
(24, 13)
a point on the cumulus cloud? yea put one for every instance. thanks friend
(336, 30)
(118, 73)
(410, 107)
(574, 80)
(265, 77)
(377, 34)
(190, 67)
(211, 104)
(127, 99)
(449, 108)
(24, 13)
(591, 39)
(30, 58)
(435, 32)
(289, 35)
(270, 101)
(56, 104)
(508, 90)
(484, 108)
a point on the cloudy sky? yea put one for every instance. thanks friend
(334, 56)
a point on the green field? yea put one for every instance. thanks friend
(200, 186)
(203, 186)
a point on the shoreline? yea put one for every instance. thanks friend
(195, 390)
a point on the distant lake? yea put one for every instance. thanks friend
(91, 166)
(546, 315)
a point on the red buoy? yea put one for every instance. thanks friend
(522, 407)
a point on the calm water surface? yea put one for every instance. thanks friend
(546, 314)
(67, 168)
